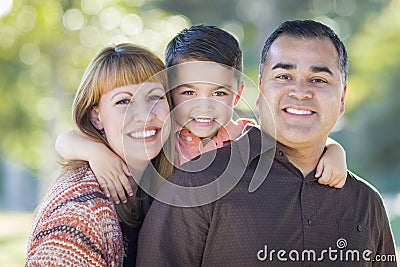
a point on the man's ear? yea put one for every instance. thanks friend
(342, 99)
(259, 92)
(96, 119)
(238, 94)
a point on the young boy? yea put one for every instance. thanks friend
(204, 70)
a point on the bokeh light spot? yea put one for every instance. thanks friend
(132, 24)
(29, 53)
(73, 19)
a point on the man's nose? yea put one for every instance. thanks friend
(301, 90)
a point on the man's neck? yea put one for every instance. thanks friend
(305, 157)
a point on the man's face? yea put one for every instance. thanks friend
(203, 96)
(301, 90)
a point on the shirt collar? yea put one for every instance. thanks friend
(254, 143)
(229, 132)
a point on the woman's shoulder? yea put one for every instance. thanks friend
(75, 211)
(77, 185)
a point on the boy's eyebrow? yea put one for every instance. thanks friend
(217, 86)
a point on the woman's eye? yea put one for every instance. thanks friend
(125, 101)
(156, 97)
(219, 93)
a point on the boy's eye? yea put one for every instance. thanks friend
(219, 93)
(188, 92)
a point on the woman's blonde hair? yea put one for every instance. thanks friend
(117, 66)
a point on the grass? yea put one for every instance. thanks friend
(14, 232)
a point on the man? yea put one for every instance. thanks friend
(288, 219)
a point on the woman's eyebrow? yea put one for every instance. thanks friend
(122, 92)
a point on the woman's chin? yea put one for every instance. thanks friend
(141, 156)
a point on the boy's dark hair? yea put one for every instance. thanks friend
(307, 29)
(204, 43)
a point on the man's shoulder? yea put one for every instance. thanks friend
(359, 185)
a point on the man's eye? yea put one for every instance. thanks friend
(283, 77)
(125, 101)
(156, 97)
(219, 93)
(318, 80)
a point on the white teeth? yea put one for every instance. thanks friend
(203, 120)
(143, 134)
(298, 111)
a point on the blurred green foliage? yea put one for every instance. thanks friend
(371, 129)
(46, 46)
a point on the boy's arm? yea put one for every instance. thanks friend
(332, 167)
(110, 170)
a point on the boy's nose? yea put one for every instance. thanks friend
(204, 104)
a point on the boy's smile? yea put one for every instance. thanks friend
(202, 108)
(203, 94)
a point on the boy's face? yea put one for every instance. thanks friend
(203, 94)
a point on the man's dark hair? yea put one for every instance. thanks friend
(307, 29)
(204, 43)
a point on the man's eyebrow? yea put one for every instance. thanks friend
(286, 66)
(321, 69)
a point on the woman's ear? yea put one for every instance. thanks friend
(96, 119)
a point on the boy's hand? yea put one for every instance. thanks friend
(332, 167)
(330, 176)
(112, 174)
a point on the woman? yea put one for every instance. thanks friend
(120, 102)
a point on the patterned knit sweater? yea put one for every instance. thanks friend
(76, 225)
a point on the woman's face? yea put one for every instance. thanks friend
(136, 121)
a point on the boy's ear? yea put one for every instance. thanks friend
(96, 119)
(239, 94)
